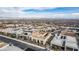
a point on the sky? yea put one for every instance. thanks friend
(40, 12)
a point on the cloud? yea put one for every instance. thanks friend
(10, 12)
(19, 12)
(52, 9)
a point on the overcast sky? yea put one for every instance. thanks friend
(40, 12)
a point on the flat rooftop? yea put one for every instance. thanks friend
(57, 41)
(71, 42)
(68, 33)
(38, 34)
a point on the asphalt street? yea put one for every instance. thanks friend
(21, 45)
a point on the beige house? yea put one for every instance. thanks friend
(40, 37)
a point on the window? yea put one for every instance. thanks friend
(58, 34)
(41, 42)
(61, 37)
(64, 37)
(25, 38)
(26, 33)
(37, 41)
(34, 40)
